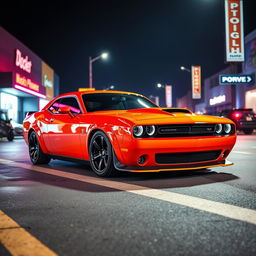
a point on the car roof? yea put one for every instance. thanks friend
(98, 91)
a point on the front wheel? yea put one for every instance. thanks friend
(101, 157)
(37, 156)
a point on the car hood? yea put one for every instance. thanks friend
(161, 116)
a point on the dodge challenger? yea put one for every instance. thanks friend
(123, 131)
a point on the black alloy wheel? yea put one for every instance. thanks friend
(35, 152)
(10, 135)
(101, 157)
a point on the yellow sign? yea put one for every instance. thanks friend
(86, 89)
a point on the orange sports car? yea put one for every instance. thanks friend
(123, 131)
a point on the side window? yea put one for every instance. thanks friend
(70, 102)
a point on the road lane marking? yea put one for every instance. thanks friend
(18, 241)
(244, 152)
(222, 209)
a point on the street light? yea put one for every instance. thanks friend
(186, 69)
(160, 85)
(104, 55)
(111, 87)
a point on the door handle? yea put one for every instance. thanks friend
(51, 120)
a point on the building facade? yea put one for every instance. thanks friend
(218, 97)
(27, 83)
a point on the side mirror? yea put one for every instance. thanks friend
(65, 110)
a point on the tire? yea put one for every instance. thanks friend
(10, 135)
(101, 155)
(37, 156)
(248, 131)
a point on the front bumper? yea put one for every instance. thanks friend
(121, 167)
(134, 149)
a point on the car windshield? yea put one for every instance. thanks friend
(114, 101)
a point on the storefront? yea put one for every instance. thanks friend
(27, 83)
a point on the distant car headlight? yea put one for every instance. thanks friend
(218, 128)
(138, 130)
(227, 128)
(150, 130)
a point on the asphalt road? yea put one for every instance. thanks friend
(64, 209)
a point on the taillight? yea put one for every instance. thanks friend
(237, 115)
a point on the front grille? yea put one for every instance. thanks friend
(184, 130)
(187, 157)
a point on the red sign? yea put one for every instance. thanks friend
(196, 82)
(234, 30)
(23, 62)
(168, 95)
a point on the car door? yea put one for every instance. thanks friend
(63, 129)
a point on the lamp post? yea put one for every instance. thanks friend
(155, 99)
(185, 69)
(111, 87)
(168, 93)
(91, 60)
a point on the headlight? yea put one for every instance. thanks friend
(218, 128)
(227, 128)
(150, 130)
(138, 130)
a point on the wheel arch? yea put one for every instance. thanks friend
(41, 142)
(110, 135)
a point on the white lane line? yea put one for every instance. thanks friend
(244, 152)
(222, 209)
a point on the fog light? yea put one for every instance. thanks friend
(141, 160)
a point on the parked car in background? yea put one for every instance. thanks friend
(17, 128)
(244, 118)
(6, 129)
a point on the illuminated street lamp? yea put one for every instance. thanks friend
(111, 87)
(91, 60)
(185, 69)
(168, 93)
(160, 85)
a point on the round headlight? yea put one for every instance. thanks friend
(150, 130)
(227, 128)
(138, 130)
(218, 128)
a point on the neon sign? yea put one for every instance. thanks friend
(26, 82)
(217, 100)
(26, 85)
(23, 62)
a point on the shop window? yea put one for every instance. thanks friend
(10, 103)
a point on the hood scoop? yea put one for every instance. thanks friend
(177, 110)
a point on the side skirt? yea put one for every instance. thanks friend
(70, 159)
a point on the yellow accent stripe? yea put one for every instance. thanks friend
(184, 169)
(18, 241)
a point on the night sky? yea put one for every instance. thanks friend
(147, 40)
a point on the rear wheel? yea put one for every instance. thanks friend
(10, 135)
(101, 157)
(248, 131)
(37, 156)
